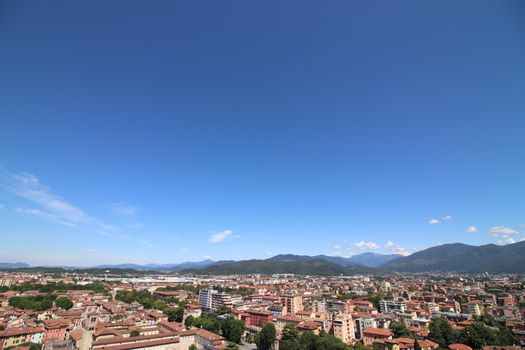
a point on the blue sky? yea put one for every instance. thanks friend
(167, 131)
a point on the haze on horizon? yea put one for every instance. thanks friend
(163, 132)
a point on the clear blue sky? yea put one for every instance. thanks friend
(166, 131)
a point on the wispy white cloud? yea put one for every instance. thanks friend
(396, 248)
(44, 214)
(124, 210)
(220, 236)
(504, 234)
(207, 257)
(52, 206)
(417, 249)
(446, 218)
(55, 208)
(472, 229)
(433, 222)
(362, 245)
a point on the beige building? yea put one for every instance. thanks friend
(343, 328)
(291, 303)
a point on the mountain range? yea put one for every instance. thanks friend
(16, 265)
(455, 257)
(280, 264)
(463, 258)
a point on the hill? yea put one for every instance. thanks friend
(458, 257)
(301, 265)
(373, 259)
(160, 267)
(364, 259)
(17, 265)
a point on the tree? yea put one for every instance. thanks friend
(399, 330)
(232, 329)
(188, 322)
(417, 346)
(175, 314)
(192, 347)
(37, 303)
(289, 338)
(442, 333)
(329, 342)
(265, 339)
(64, 303)
(360, 346)
(208, 322)
(134, 333)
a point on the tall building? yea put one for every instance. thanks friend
(219, 300)
(343, 328)
(319, 305)
(392, 306)
(475, 308)
(385, 287)
(292, 303)
(206, 298)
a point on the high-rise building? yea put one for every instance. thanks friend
(292, 303)
(206, 298)
(392, 306)
(343, 328)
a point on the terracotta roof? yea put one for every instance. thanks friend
(77, 334)
(428, 344)
(20, 331)
(384, 332)
(459, 347)
(140, 344)
(288, 318)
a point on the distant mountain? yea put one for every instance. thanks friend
(17, 265)
(364, 259)
(296, 264)
(373, 259)
(160, 267)
(463, 258)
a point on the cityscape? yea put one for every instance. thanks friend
(262, 175)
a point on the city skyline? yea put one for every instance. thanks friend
(178, 132)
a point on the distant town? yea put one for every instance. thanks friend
(115, 309)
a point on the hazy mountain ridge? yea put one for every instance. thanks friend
(16, 265)
(463, 258)
(300, 265)
(455, 257)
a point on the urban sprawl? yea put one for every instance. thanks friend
(113, 311)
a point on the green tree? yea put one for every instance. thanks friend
(360, 346)
(188, 322)
(232, 329)
(289, 338)
(399, 330)
(441, 332)
(64, 303)
(175, 314)
(134, 333)
(265, 339)
(37, 303)
(208, 322)
(329, 342)
(192, 347)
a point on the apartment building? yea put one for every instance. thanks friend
(206, 298)
(292, 303)
(343, 328)
(392, 306)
